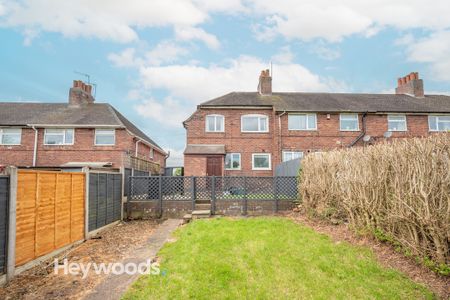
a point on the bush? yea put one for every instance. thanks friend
(399, 191)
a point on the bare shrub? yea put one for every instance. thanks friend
(400, 191)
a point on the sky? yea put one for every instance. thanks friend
(156, 60)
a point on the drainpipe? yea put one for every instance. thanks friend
(35, 145)
(137, 145)
(363, 133)
(280, 142)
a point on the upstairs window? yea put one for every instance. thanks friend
(105, 137)
(349, 122)
(302, 122)
(58, 137)
(396, 122)
(254, 123)
(215, 123)
(290, 155)
(439, 123)
(233, 161)
(10, 136)
(152, 153)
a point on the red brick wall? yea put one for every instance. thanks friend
(233, 139)
(83, 150)
(327, 136)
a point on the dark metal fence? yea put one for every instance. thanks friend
(4, 213)
(105, 199)
(243, 190)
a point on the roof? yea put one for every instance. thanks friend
(335, 102)
(204, 149)
(61, 114)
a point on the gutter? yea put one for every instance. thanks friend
(280, 136)
(363, 133)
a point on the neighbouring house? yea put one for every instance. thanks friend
(75, 134)
(249, 133)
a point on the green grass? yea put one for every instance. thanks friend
(268, 258)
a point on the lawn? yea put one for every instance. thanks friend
(268, 258)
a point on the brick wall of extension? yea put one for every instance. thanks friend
(327, 137)
(83, 150)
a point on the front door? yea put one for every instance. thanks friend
(214, 166)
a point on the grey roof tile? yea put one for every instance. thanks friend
(336, 102)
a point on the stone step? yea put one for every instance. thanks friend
(200, 214)
(206, 206)
(202, 201)
(187, 218)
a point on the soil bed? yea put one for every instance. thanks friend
(112, 245)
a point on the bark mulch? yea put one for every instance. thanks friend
(111, 245)
(385, 253)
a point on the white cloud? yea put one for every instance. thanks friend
(164, 52)
(104, 19)
(193, 33)
(334, 20)
(176, 157)
(325, 52)
(434, 50)
(168, 111)
(284, 56)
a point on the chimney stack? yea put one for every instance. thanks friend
(80, 93)
(265, 83)
(410, 85)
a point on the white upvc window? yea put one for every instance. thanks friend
(290, 155)
(349, 122)
(439, 122)
(254, 123)
(215, 123)
(53, 136)
(10, 136)
(152, 153)
(233, 161)
(261, 161)
(396, 123)
(105, 137)
(302, 122)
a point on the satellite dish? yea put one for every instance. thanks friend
(366, 138)
(387, 134)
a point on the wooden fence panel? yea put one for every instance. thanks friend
(50, 212)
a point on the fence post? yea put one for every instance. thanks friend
(130, 179)
(275, 192)
(11, 251)
(85, 170)
(160, 197)
(245, 195)
(213, 195)
(194, 191)
(122, 191)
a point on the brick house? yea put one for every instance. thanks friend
(75, 134)
(249, 133)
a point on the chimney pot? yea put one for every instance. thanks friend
(410, 85)
(80, 93)
(265, 83)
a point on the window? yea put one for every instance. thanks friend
(290, 155)
(439, 123)
(349, 122)
(261, 161)
(215, 123)
(10, 136)
(152, 153)
(254, 123)
(396, 122)
(105, 137)
(233, 161)
(58, 137)
(302, 122)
